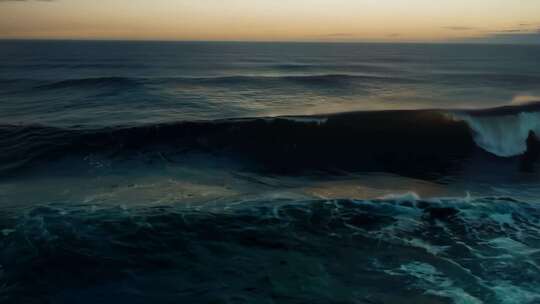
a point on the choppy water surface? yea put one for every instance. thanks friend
(268, 173)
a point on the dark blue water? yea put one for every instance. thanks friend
(117, 83)
(162, 172)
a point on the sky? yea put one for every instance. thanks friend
(275, 20)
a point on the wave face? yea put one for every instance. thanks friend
(367, 141)
(417, 143)
(403, 142)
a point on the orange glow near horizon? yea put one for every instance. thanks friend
(267, 20)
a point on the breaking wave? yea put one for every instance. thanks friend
(504, 131)
(394, 141)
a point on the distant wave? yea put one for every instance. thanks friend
(322, 80)
(75, 65)
(493, 78)
(395, 141)
(89, 82)
(315, 79)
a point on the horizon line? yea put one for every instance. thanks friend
(262, 41)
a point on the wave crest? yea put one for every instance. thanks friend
(504, 131)
(504, 136)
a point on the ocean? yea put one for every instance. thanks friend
(229, 172)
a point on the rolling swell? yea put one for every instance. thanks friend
(388, 141)
(89, 82)
(327, 79)
(406, 142)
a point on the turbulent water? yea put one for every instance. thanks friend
(269, 173)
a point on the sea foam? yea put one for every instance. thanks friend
(505, 135)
